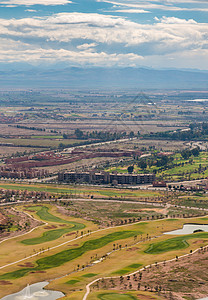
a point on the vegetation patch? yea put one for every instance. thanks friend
(116, 296)
(72, 281)
(52, 235)
(135, 266)
(62, 257)
(43, 213)
(89, 275)
(174, 243)
(121, 272)
(128, 269)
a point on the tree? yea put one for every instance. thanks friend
(195, 151)
(142, 164)
(79, 134)
(131, 134)
(130, 169)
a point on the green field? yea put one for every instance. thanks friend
(174, 243)
(72, 281)
(115, 296)
(62, 257)
(179, 168)
(43, 214)
(39, 142)
(51, 235)
(58, 189)
(47, 136)
(89, 275)
(128, 269)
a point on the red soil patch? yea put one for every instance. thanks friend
(132, 249)
(71, 233)
(199, 241)
(39, 272)
(5, 282)
(27, 265)
(50, 227)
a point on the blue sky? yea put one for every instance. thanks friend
(148, 33)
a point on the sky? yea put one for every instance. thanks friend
(105, 33)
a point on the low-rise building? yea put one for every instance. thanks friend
(105, 178)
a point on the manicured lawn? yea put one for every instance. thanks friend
(50, 235)
(43, 214)
(62, 257)
(72, 281)
(115, 296)
(128, 269)
(64, 189)
(174, 243)
(89, 275)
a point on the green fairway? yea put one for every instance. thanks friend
(115, 296)
(43, 214)
(52, 235)
(174, 243)
(42, 188)
(62, 257)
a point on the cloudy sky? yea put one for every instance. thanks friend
(158, 34)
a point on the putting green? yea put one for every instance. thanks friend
(174, 243)
(114, 296)
(62, 257)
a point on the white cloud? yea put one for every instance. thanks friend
(164, 5)
(31, 10)
(13, 3)
(123, 42)
(173, 20)
(86, 46)
(132, 11)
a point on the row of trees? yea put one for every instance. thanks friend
(196, 131)
(101, 135)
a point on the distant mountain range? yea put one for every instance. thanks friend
(98, 77)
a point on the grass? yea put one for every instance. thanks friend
(60, 189)
(35, 142)
(43, 214)
(89, 275)
(115, 296)
(72, 281)
(47, 136)
(128, 269)
(174, 243)
(62, 257)
(51, 235)
(179, 168)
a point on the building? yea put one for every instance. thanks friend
(105, 178)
